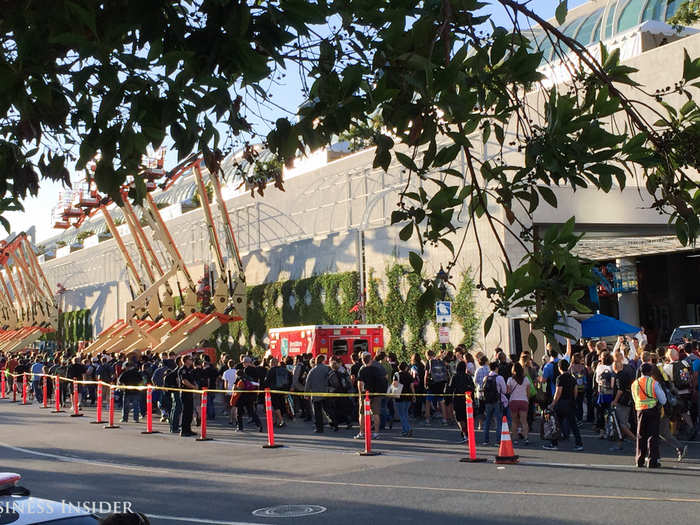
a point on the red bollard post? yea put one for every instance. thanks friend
(76, 401)
(203, 410)
(57, 395)
(24, 389)
(111, 409)
(99, 421)
(149, 412)
(470, 430)
(3, 385)
(270, 423)
(368, 429)
(44, 393)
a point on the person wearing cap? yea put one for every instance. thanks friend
(648, 397)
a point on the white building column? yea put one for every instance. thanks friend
(628, 303)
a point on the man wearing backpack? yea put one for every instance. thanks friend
(681, 373)
(622, 401)
(278, 378)
(171, 380)
(493, 391)
(301, 370)
(436, 380)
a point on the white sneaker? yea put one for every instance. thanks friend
(359, 436)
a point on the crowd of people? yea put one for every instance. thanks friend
(574, 383)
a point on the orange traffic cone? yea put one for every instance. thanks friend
(506, 454)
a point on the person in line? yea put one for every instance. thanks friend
(479, 377)
(131, 377)
(278, 378)
(494, 392)
(301, 370)
(518, 387)
(229, 376)
(171, 380)
(459, 385)
(317, 383)
(408, 393)
(622, 401)
(436, 377)
(187, 381)
(605, 383)
(243, 399)
(372, 379)
(564, 405)
(664, 421)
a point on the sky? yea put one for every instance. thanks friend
(288, 94)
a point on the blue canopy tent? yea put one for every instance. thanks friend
(602, 326)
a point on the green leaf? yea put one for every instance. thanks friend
(406, 161)
(691, 68)
(416, 262)
(406, 232)
(487, 325)
(548, 196)
(561, 12)
(446, 155)
(532, 341)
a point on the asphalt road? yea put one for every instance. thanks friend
(415, 480)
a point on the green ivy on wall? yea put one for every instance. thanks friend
(328, 299)
(464, 310)
(400, 316)
(73, 326)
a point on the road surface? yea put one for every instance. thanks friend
(414, 480)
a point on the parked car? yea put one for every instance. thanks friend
(690, 332)
(18, 507)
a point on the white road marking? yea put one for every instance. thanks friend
(201, 520)
(459, 490)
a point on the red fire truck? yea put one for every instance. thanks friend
(340, 340)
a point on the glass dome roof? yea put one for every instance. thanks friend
(612, 18)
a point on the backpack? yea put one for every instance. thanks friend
(549, 428)
(170, 379)
(580, 378)
(491, 394)
(681, 374)
(304, 373)
(438, 371)
(605, 382)
(344, 382)
(612, 425)
(281, 378)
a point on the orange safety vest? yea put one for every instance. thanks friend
(643, 393)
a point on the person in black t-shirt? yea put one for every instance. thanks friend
(622, 401)
(564, 405)
(76, 371)
(209, 376)
(371, 378)
(187, 381)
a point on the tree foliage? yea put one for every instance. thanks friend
(111, 79)
(688, 14)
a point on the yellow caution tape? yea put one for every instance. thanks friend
(143, 388)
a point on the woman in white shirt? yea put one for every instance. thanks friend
(518, 387)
